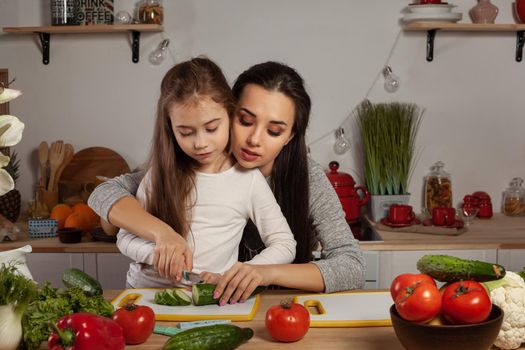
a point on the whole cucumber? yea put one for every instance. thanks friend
(202, 293)
(215, 337)
(73, 277)
(446, 268)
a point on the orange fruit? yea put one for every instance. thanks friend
(60, 213)
(92, 217)
(78, 220)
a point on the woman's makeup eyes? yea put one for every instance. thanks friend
(211, 130)
(248, 121)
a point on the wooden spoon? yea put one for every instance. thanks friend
(68, 155)
(43, 152)
(56, 157)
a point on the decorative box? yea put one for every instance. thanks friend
(42, 228)
(94, 12)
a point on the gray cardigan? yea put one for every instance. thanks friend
(342, 264)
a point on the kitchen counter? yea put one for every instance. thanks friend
(499, 232)
(363, 338)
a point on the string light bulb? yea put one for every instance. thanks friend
(342, 144)
(157, 56)
(392, 81)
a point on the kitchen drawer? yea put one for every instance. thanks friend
(49, 266)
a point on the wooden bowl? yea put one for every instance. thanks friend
(417, 336)
(69, 235)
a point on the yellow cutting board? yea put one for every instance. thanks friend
(349, 309)
(236, 312)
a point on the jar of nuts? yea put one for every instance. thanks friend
(514, 198)
(151, 12)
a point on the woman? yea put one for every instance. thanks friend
(268, 132)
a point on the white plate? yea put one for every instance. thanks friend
(431, 8)
(433, 17)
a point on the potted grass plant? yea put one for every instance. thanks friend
(388, 133)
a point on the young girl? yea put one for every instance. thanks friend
(196, 187)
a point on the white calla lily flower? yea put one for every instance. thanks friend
(6, 182)
(9, 94)
(11, 129)
(4, 160)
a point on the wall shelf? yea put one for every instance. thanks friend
(45, 32)
(432, 27)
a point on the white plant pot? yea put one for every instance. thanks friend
(379, 205)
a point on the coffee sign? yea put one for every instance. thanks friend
(94, 11)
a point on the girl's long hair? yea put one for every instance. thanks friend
(289, 178)
(172, 170)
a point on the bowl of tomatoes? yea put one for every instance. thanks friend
(417, 336)
(459, 315)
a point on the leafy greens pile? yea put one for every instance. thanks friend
(50, 304)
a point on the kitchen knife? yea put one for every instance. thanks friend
(190, 278)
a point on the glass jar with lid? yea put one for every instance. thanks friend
(514, 198)
(438, 188)
(151, 12)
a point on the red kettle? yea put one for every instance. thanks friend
(345, 188)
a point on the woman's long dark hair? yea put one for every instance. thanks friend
(289, 177)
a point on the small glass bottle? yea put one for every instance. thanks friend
(513, 203)
(438, 188)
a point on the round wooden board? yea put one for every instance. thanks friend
(83, 170)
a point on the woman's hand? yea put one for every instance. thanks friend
(210, 277)
(172, 255)
(239, 282)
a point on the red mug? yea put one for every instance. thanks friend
(443, 216)
(401, 214)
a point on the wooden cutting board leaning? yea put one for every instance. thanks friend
(87, 168)
(236, 312)
(351, 309)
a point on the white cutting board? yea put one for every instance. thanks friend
(236, 312)
(351, 309)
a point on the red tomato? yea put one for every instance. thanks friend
(420, 302)
(137, 322)
(288, 321)
(408, 279)
(466, 302)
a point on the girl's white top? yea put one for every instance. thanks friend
(223, 203)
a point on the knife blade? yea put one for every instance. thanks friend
(190, 278)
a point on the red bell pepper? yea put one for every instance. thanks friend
(86, 331)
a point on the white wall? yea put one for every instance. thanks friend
(91, 94)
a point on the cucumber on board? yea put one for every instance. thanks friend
(215, 337)
(172, 297)
(73, 277)
(446, 268)
(202, 293)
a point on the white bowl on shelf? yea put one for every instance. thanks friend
(430, 8)
(433, 17)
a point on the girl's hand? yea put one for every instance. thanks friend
(239, 282)
(172, 255)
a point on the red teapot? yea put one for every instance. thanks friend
(345, 188)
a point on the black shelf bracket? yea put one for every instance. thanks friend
(519, 45)
(135, 45)
(431, 34)
(45, 39)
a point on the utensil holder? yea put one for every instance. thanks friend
(50, 198)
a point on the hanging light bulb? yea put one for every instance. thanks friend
(342, 144)
(157, 56)
(392, 81)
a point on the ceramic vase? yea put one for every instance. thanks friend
(484, 12)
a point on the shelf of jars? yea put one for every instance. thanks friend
(432, 27)
(44, 34)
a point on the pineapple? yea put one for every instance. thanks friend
(10, 202)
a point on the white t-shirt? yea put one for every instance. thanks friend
(224, 202)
